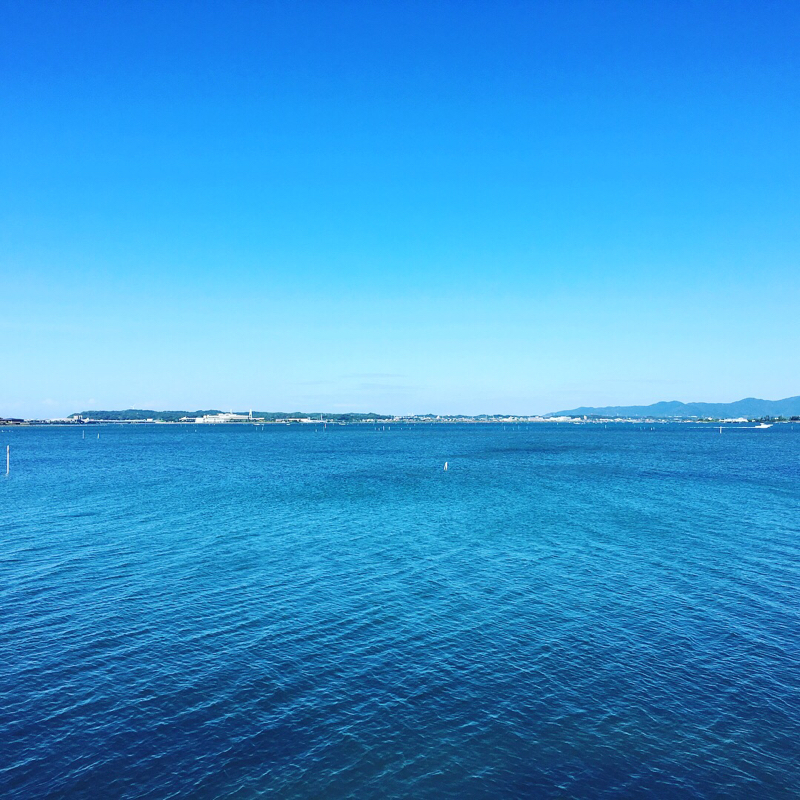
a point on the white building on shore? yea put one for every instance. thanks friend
(215, 419)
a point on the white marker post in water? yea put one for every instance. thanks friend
(445, 466)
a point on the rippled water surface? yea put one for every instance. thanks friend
(236, 612)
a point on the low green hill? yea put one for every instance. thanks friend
(174, 416)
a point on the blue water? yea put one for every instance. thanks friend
(568, 612)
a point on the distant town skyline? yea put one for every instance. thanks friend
(404, 208)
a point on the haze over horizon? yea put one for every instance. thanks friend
(402, 208)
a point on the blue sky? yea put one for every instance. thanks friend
(449, 207)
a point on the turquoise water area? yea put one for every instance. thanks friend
(568, 611)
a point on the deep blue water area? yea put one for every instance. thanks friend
(567, 612)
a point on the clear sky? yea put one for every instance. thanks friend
(449, 207)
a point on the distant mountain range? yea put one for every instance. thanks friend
(750, 407)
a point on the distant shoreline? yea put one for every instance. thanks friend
(384, 421)
(750, 409)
